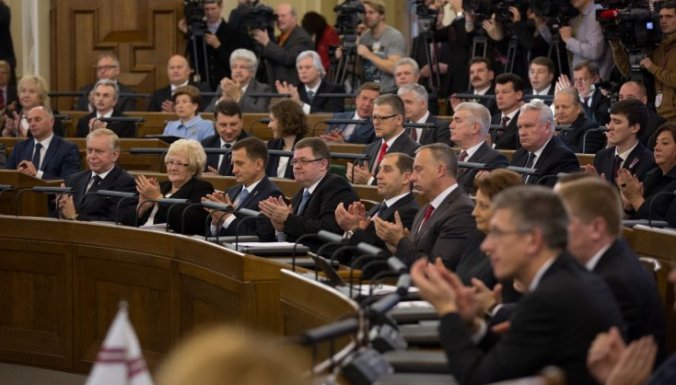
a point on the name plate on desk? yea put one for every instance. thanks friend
(268, 248)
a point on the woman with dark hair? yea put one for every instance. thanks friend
(323, 35)
(289, 125)
(654, 199)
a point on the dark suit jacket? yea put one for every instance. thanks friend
(635, 292)
(574, 138)
(639, 162)
(319, 212)
(124, 103)
(195, 217)
(664, 205)
(92, 207)
(260, 226)
(554, 159)
(362, 134)
(439, 134)
(488, 103)
(11, 96)
(509, 138)
(160, 95)
(553, 325)
(403, 144)
(62, 158)
(407, 208)
(529, 92)
(273, 160)
(212, 159)
(599, 108)
(443, 235)
(320, 103)
(485, 154)
(248, 103)
(281, 61)
(647, 136)
(122, 129)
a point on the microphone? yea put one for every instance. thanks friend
(652, 201)
(330, 95)
(346, 121)
(419, 125)
(147, 151)
(523, 170)
(280, 153)
(293, 250)
(475, 165)
(172, 202)
(354, 262)
(332, 330)
(371, 250)
(331, 239)
(378, 310)
(473, 96)
(545, 177)
(117, 194)
(248, 215)
(586, 133)
(215, 207)
(217, 150)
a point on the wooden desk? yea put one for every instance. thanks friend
(31, 203)
(61, 281)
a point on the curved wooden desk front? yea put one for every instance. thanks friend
(61, 282)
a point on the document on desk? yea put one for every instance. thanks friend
(268, 248)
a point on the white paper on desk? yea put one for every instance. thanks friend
(156, 227)
(380, 289)
(414, 304)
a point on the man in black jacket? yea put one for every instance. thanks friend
(229, 130)
(105, 100)
(555, 322)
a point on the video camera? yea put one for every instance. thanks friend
(348, 17)
(484, 9)
(258, 16)
(633, 23)
(194, 17)
(556, 13)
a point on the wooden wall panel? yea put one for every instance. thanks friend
(142, 33)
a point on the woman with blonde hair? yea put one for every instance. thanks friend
(32, 92)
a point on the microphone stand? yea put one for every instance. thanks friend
(652, 201)
(185, 209)
(248, 215)
(215, 207)
(117, 194)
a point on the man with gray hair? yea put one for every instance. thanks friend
(310, 91)
(570, 116)
(540, 149)
(415, 100)
(107, 67)
(105, 95)
(469, 130)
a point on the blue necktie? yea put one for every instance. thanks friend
(242, 197)
(303, 202)
(36, 156)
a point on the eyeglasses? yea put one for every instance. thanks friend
(377, 118)
(101, 68)
(304, 162)
(173, 163)
(497, 233)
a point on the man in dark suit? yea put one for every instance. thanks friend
(309, 92)
(356, 133)
(178, 72)
(540, 149)
(107, 67)
(103, 149)
(242, 85)
(312, 208)
(508, 98)
(415, 100)
(627, 119)
(105, 98)
(442, 227)
(280, 56)
(228, 123)
(595, 240)
(556, 320)
(585, 75)
(388, 120)
(219, 40)
(541, 76)
(44, 155)
(469, 130)
(633, 89)
(394, 185)
(571, 118)
(481, 77)
(249, 158)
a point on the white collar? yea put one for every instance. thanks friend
(45, 142)
(106, 115)
(391, 141)
(482, 91)
(252, 186)
(591, 263)
(543, 92)
(102, 175)
(312, 188)
(538, 152)
(538, 276)
(424, 117)
(470, 151)
(439, 199)
(313, 89)
(625, 154)
(173, 87)
(390, 202)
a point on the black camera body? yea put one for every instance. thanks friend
(194, 17)
(557, 13)
(258, 16)
(348, 17)
(631, 22)
(484, 9)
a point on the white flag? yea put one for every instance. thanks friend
(120, 361)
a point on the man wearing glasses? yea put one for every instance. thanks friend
(388, 122)
(107, 67)
(312, 208)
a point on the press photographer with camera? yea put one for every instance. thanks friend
(213, 34)
(583, 37)
(280, 55)
(661, 62)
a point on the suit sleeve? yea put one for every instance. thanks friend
(13, 160)
(332, 104)
(333, 193)
(287, 55)
(258, 104)
(70, 163)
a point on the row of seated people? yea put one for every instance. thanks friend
(638, 173)
(572, 295)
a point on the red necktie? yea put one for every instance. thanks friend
(414, 134)
(381, 154)
(428, 213)
(461, 158)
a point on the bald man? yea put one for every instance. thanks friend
(280, 54)
(178, 73)
(636, 90)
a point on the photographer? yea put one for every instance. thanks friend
(380, 46)
(219, 38)
(280, 56)
(584, 37)
(661, 63)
